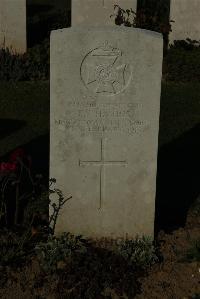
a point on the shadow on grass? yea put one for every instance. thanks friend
(8, 126)
(178, 180)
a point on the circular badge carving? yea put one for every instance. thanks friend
(104, 70)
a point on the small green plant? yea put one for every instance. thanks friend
(59, 249)
(138, 252)
(193, 254)
(55, 206)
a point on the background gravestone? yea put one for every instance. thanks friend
(13, 25)
(43, 16)
(105, 99)
(98, 12)
(187, 21)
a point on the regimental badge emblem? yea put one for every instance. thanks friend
(105, 71)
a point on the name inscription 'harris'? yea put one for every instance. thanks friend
(91, 117)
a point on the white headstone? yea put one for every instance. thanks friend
(98, 12)
(105, 99)
(186, 14)
(13, 25)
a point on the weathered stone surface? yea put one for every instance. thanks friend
(13, 25)
(105, 99)
(98, 12)
(187, 21)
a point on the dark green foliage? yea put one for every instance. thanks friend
(196, 296)
(33, 65)
(12, 67)
(193, 254)
(10, 250)
(139, 252)
(37, 65)
(36, 228)
(182, 62)
(55, 204)
(58, 249)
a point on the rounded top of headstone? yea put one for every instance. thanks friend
(107, 28)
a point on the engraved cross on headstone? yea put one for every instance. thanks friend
(101, 164)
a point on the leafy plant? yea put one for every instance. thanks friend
(37, 228)
(193, 254)
(56, 206)
(59, 249)
(151, 15)
(31, 210)
(8, 247)
(138, 252)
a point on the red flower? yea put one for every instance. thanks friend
(18, 153)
